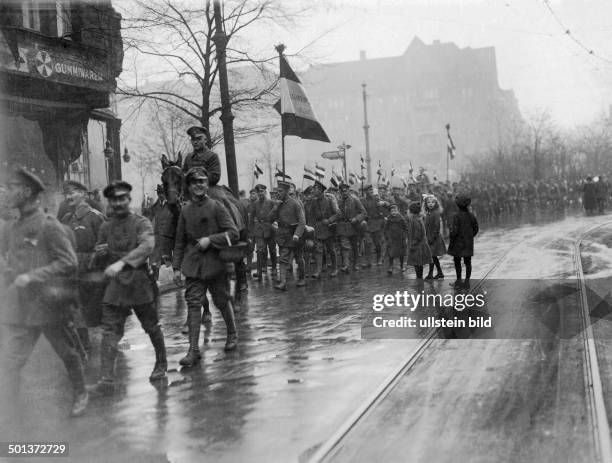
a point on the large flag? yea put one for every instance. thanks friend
(450, 146)
(319, 171)
(257, 171)
(297, 114)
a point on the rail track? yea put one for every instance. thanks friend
(593, 384)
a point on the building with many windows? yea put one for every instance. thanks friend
(58, 65)
(410, 100)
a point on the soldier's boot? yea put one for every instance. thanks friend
(367, 256)
(108, 353)
(282, 280)
(318, 266)
(261, 261)
(193, 354)
(333, 257)
(161, 364)
(185, 328)
(379, 261)
(75, 369)
(345, 261)
(273, 260)
(301, 268)
(231, 343)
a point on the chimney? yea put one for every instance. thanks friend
(362, 55)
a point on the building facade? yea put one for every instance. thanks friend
(59, 61)
(410, 100)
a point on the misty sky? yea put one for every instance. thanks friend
(535, 57)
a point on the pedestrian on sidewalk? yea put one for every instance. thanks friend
(463, 229)
(396, 234)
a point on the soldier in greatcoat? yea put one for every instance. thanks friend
(320, 211)
(463, 229)
(376, 219)
(260, 226)
(204, 227)
(349, 218)
(289, 221)
(85, 222)
(39, 258)
(125, 242)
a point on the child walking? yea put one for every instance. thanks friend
(396, 232)
(434, 237)
(419, 253)
(463, 229)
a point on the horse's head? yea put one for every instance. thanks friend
(172, 178)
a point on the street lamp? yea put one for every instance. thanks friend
(343, 147)
(126, 155)
(109, 152)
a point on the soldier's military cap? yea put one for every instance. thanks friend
(382, 186)
(260, 187)
(116, 189)
(343, 186)
(30, 180)
(415, 207)
(73, 185)
(368, 187)
(196, 129)
(320, 185)
(159, 189)
(195, 172)
(308, 190)
(283, 184)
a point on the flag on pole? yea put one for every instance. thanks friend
(363, 164)
(319, 171)
(279, 173)
(333, 180)
(450, 146)
(309, 174)
(353, 178)
(379, 172)
(298, 117)
(404, 182)
(392, 171)
(257, 171)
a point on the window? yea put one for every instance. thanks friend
(47, 17)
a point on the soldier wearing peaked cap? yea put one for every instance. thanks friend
(376, 219)
(202, 156)
(162, 217)
(204, 226)
(351, 214)
(290, 222)
(320, 211)
(40, 261)
(124, 244)
(85, 222)
(260, 227)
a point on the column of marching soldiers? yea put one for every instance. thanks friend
(319, 232)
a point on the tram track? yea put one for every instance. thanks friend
(326, 450)
(592, 375)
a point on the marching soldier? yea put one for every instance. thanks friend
(204, 226)
(251, 240)
(38, 253)
(320, 211)
(351, 214)
(376, 220)
(125, 242)
(163, 229)
(261, 229)
(289, 219)
(85, 222)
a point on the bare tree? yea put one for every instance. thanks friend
(178, 37)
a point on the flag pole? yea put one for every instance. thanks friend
(447, 152)
(253, 179)
(280, 48)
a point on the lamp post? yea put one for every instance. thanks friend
(126, 155)
(343, 147)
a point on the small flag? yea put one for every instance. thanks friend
(362, 178)
(308, 171)
(404, 182)
(450, 146)
(298, 117)
(353, 178)
(280, 174)
(257, 171)
(379, 172)
(392, 171)
(363, 164)
(319, 171)
(309, 176)
(333, 181)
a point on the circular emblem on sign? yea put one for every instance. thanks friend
(43, 64)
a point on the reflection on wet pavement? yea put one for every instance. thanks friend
(300, 369)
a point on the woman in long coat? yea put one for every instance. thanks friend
(434, 237)
(464, 227)
(419, 253)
